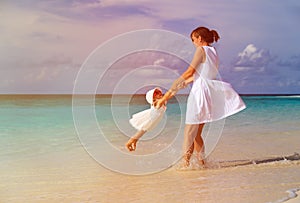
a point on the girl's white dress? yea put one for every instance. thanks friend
(146, 120)
(210, 99)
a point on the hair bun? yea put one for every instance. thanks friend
(206, 34)
(215, 35)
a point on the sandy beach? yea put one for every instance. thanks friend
(73, 176)
(88, 182)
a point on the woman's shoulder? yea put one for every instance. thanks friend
(200, 51)
(210, 49)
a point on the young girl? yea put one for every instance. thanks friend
(146, 120)
(209, 99)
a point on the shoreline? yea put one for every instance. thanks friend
(293, 196)
(138, 94)
(54, 182)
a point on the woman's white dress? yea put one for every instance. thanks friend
(210, 99)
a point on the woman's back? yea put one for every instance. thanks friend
(208, 69)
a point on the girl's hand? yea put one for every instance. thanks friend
(131, 144)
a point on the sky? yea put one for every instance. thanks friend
(44, 44)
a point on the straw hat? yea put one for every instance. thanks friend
(149, 95)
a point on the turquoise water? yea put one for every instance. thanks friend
(41, 155)
(22, 117)
(269, 113)
(38, 122)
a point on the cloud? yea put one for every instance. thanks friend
(142, 68)
(257, 71)
(158, 62)
(42, 35)
(288, 83)
(91, 10)
(87, 4)
(34, 31)
(292, 62)
(38, 46)
(53, 74)
(252, 58)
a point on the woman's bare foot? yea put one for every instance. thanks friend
(186, 163)
(201, 158)
(187, 158)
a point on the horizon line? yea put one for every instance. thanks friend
(59, 94)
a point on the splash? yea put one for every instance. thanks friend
(211, 164)
(292, 193)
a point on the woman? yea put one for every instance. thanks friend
(209, 99)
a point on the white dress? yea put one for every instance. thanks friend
(210, 99)
(146, 120)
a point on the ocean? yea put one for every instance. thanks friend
(53, 149)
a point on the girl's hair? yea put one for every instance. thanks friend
(207, 35)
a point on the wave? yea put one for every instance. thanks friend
(194, 164)
(292, 193)
(233, 163)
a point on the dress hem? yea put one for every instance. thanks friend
(209, 121)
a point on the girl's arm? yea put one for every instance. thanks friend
(131, 144)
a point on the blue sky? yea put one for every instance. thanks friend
(44, 43)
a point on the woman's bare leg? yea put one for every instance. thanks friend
(191, 131)
(188, 154)
(198, 144)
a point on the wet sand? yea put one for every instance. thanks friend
(76, 177)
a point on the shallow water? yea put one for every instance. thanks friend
(42, 158)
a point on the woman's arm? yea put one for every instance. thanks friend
(188, 81)
(185, 83)
(199, 57)
(185, 78)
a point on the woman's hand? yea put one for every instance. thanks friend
(131, 144)
(159, 103)
(182, 85)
